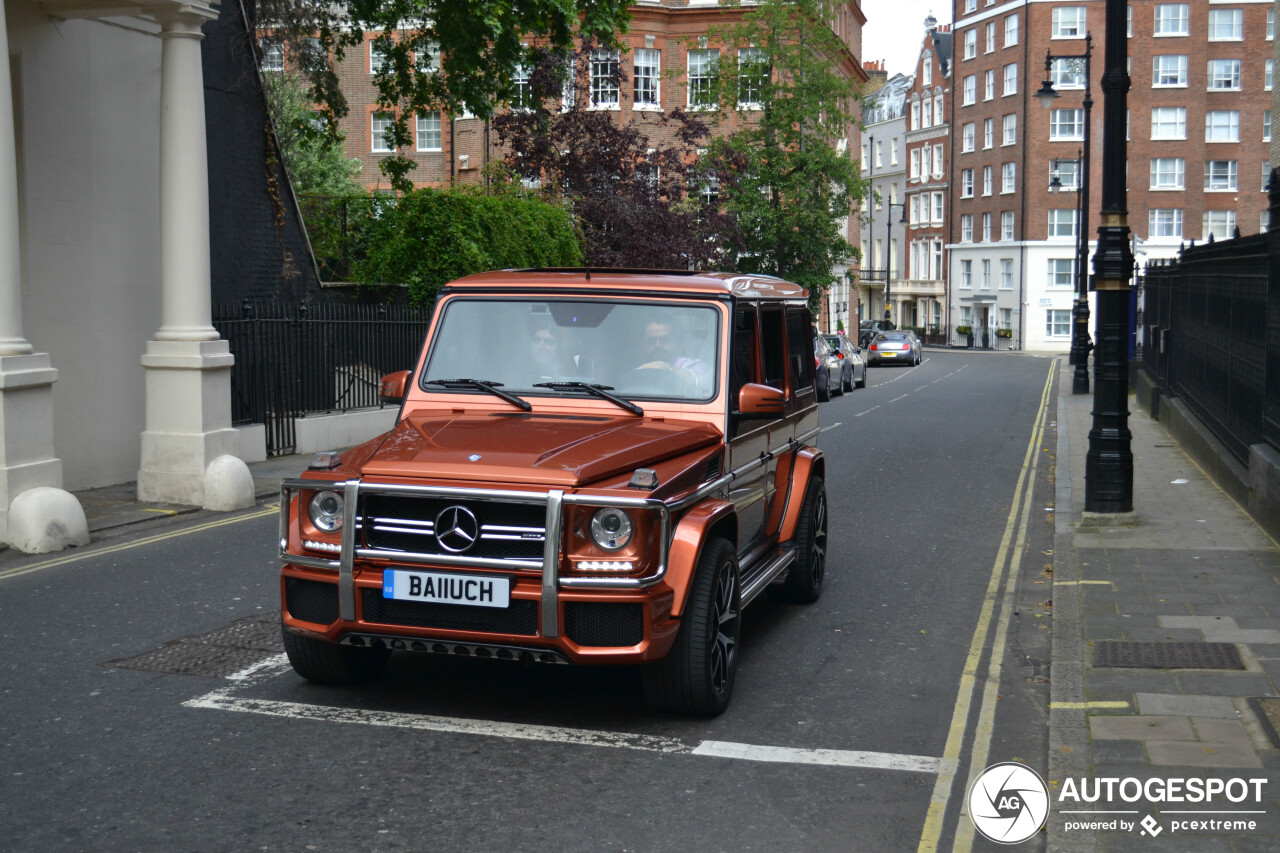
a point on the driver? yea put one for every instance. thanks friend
(659, 352)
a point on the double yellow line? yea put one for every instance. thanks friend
(1004, 574)
(78, 555)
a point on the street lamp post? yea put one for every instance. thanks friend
(888, 255)
(1109, 461)
(1080, 343)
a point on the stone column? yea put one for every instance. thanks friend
(36, 515)
(189, 447)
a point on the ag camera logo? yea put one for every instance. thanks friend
(1008, 803)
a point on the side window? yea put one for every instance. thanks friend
(774, 348)
(800, 351)
(742, 366)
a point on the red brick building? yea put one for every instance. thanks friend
(669, 47)
(1198, 138)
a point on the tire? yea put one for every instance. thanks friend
(846, 386)
(839, 389)
(804, 581)
(329, 663)
(696, 677)
(862, 383)
(824, 392)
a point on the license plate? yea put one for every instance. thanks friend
(887, 354)
(446, 588)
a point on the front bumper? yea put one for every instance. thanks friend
(592, 627)
(582, 619)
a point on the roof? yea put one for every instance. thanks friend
(661, 281)
(889, 100)
(942, 44)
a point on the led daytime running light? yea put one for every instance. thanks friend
(605, 566)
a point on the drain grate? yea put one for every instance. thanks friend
(216, 654)
(1122, 653)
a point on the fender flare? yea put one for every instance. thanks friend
(808, 462)
(691, 534)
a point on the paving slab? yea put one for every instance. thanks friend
(1141, 727)
(1202, 754)
(1157, 704)
(1220, 730)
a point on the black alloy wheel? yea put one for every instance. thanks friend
(697, 675)
(805, 579)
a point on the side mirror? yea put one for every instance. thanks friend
(760, 400)
(391, 387)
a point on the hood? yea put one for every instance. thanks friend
(547, 449)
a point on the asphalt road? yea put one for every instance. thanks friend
(872, 706)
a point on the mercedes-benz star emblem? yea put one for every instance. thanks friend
(456, 529)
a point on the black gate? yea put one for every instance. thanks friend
(293, 359)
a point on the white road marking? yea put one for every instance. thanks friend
(922, 387)
(867, 412)
(833, 757)
(226, 699)
(896, 399)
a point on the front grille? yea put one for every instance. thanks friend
(520, 617)
(407, 524)
(590, 624)
(311, 601)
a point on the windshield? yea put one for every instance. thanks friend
(641, 350)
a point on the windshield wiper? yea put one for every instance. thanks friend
(494, 388)
(601, 391)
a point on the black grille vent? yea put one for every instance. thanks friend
(311, 601)
(406, 524)
(713, 467)
(521, 617)
(604, 624)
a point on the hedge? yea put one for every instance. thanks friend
(429, 237)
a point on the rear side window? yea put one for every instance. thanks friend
(799, 343)
(774, 348)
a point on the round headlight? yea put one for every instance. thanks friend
(611, 529)
(326, 511)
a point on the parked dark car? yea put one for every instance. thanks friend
(825, 378)
(853, 367)
(901, 346)
(868, 329)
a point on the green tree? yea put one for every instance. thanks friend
(450, 55)
(428, 237)
(785, 95)
(313, 158)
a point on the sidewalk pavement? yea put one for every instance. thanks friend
(1187, 566)
(111, 507)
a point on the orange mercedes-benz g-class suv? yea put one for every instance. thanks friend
(588, 467)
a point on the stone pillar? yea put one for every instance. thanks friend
(36, 515)
(188, 368)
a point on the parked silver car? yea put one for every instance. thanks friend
(901, 346)
(826, 377)
(853, 367)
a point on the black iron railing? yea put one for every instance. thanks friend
(1209, 337)
(294, 360)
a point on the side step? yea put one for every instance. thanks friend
(768, 571)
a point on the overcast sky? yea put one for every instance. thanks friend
(895, 30)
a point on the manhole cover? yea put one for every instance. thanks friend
(216, 654)
(1122, 653)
